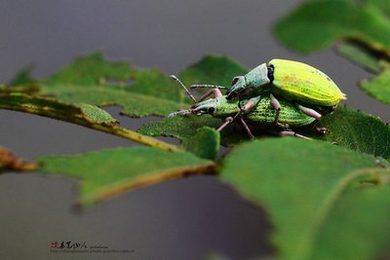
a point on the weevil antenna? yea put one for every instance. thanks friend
(185, 88)
(181, 113)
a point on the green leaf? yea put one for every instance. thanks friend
(22, 77)
(94, 71)
(205, 143)
(96, 114)
(305, 190)
(318, 24)
(358, 226)
(93, 80)
(380, 4)
(178, 127)
(152, 82)
(90, 70)
(215, 70)
(379, 86)
(184, 129)
(107, 173)
(358, 131)
(360, 56)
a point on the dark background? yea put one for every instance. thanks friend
(183, 219)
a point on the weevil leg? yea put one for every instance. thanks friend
(283, 126)
(246, 127)
(228, 120)
(251, 103)
(248, 105)
(217, 93)
(310, 112)
(276, 105)
(292, 133)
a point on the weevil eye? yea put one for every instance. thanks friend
(235, 80)
(270, 73)
(210, 110)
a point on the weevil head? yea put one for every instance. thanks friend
(208, 106)
(238, 85)
(252, 81)
(201, 108)
(217, 107)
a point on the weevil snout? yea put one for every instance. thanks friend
(204, 109)
(238, 85)
(181, 113)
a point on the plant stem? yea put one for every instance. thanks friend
(11, 162)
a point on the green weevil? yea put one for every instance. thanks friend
(295, 81)
(258, 111)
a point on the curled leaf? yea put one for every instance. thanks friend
(318, 24)
(379, 86)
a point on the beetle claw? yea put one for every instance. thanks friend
(322, 130)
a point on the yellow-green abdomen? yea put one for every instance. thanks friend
(301, 82)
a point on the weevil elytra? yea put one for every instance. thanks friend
(291, 80)
(257, 111)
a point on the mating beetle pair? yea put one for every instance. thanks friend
(255, 96)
